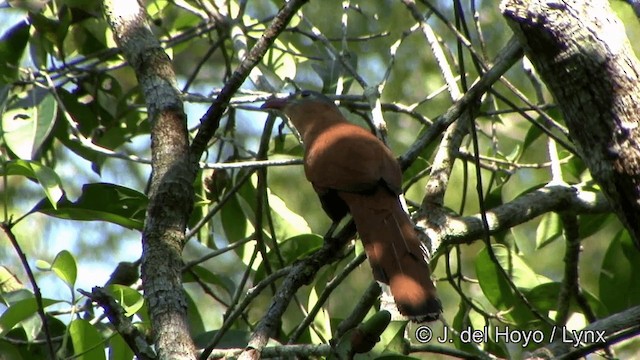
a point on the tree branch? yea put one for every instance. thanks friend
(448, 229)
(612, 329)
(301, 274)
(131, 335)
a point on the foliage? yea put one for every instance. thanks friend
(74, 152)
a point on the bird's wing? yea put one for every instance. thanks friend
(349, 158)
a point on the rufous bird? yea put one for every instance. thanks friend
(354, 172)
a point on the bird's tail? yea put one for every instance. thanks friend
(395, 252)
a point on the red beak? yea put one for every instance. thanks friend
(274, 103)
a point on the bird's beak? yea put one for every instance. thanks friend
(274, 103)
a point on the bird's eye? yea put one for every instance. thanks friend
(305, 94)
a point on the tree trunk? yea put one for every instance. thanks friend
(580, 50)
(171, 191)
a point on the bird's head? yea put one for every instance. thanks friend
(306, 109)
(305, 99)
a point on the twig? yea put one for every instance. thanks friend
(511, 54)
(211, 120)
(6, 227)
(300, 274)
(368, 298)
(331, 285)
(570, 282)
(131, 335)
(231, 318)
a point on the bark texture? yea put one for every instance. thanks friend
(171, 193)
(580, 50)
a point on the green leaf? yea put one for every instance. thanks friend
(64, 266)
(416, 168)
(45, 176)
(391, 340)
(101, 202)
(204, 274)
(278, 64)
(363, 338)
(494, 198)
(87, 342)
(9, 282)
(462, 322)
(287, 144)
(286, 222)
(619, 283)
(234, 220)
(291, 249)
(545, 298)
(496, 288)
(592, 223)
(194, 319)
(130, 299)
(532, 135)
(9, 351)
(12, 45)
(576, 167)
(549, 229)
(119, 349)
(27, 123)
(20, 311)
(321, 322)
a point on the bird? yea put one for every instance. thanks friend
(352, 171)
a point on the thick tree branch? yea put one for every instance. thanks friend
(171, 192)
(612, 329)
(580, 51)
(285, 351)
(448, 229)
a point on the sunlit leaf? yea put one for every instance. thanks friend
(65, 267)
(286, 222)
(321, 322)
(392, 339)
(130, 299)
(20, 311)
(9, 282)
(45, 176)
(27, 123)
(88, 344)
